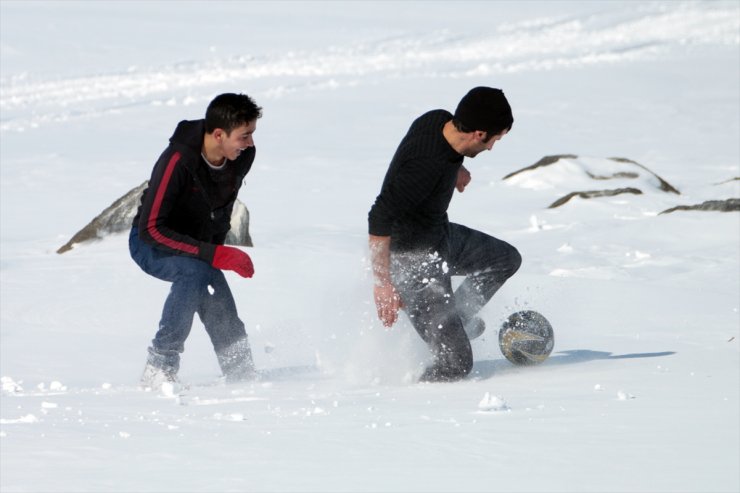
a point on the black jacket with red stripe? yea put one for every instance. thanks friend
(186, 210)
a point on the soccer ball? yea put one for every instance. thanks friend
(526, 338)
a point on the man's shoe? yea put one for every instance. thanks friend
(474, 328)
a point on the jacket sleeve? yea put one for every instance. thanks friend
(169, 179)
(402, 191)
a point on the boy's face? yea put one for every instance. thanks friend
(238, 140)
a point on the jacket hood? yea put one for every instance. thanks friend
(189, 134)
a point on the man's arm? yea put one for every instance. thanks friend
(403, 189)
(387, 300)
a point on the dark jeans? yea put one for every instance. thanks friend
(423, 280)
(198, 288)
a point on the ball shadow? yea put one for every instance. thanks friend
(485, 369)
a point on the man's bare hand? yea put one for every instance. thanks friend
(388, 303)
(463, 178)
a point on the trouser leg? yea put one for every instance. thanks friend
(438, 314)
(218, 313)
(189, 287)
(485, 261)
(426, 291)
(190, 278)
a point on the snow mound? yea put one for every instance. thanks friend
(493, 403)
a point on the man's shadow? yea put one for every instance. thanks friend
(487, 368)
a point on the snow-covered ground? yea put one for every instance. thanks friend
(642, 390)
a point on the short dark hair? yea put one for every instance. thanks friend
(228, 111)
(460, 126)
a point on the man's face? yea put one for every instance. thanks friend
(238, 140)
(478, 143)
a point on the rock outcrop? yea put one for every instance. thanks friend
(594, 193)
(570, 170)
(117, 218)
(729, 205)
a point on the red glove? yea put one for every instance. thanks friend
(229, 258)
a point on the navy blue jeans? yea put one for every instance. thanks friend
(197, 287)
(423, 279)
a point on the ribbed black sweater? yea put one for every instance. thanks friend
(418, 186)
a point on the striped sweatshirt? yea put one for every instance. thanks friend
(418, 186)
(186, 210)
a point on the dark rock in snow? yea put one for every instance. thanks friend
(594, 193)
(728, 181)
(729, 205)
(117, 218)
(579, 171)
(545, 161)
(549, 160)
(664, 185)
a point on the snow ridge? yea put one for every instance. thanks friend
(535, 45)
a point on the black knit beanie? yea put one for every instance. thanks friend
(486, 109)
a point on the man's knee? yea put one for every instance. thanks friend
(503, 260)
(515, 261)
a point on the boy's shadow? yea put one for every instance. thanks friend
(487, 368)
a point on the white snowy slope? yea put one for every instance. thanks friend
(641, 392)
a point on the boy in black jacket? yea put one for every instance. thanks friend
(415, 249)
(179, 231)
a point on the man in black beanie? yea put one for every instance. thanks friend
(415, 249)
